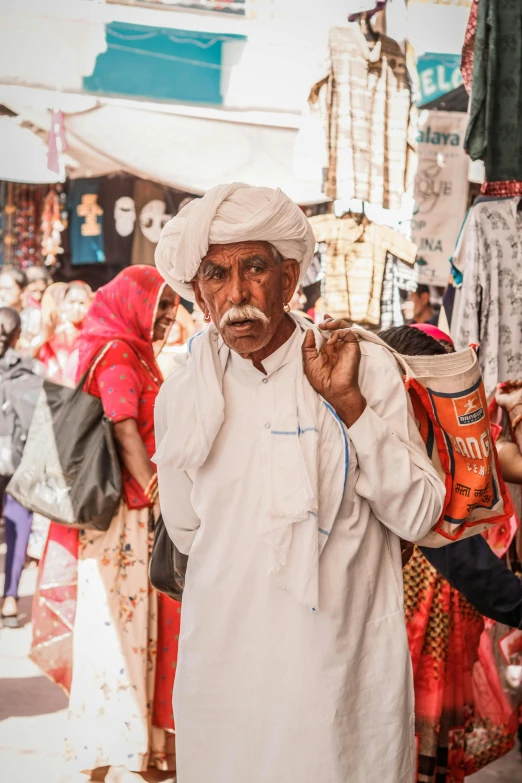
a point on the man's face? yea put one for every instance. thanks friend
(10, 292)
(420, 302)
(246, 276)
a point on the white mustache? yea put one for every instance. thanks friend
(243, 313)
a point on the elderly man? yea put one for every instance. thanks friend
(288, 466)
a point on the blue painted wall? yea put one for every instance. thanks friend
(159, 64)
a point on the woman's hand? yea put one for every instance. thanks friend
(333, 371)
(509, 395)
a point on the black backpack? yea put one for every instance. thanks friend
(20, 387)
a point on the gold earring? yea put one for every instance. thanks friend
(206, 318)
(286, 308)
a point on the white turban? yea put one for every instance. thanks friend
(228, 214)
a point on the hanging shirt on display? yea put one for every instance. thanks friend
(495, 123)
(119, 219)
(151, 215)
(398, 277)
(365, 103)
(356, 252)
(85, 222)
(491, 305)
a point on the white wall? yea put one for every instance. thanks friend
(53, 45)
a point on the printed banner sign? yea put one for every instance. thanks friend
(441, 192)
(438, 75)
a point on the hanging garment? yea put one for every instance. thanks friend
(495, 126)
(365, 103)
(490, 308)
(154, 206)
(151, 215)
(119, 219)
(85, 222)
(398, 277)
(355, 264)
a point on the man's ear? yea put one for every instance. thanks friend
(291, 272)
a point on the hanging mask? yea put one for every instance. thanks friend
(124, 215)
(152, 219)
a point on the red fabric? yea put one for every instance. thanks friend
(54, 605)
(124, 309)
(127, 378)
(60, 359)
(464, 719)
(433, 331)
(502, 189)
(31, 302)
(468, 50)
(127, 391)
(169, 616)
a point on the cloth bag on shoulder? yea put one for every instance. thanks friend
(167, 564)
(70, 470)
(449, 403)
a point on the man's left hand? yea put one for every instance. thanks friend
(333, 371)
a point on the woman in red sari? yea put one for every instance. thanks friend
(100, 630)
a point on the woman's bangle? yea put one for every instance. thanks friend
(516, 421)
(151, 490)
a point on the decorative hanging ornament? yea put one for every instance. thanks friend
(56, 141)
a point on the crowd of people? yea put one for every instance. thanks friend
(291, 667)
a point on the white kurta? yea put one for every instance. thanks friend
(268, 691)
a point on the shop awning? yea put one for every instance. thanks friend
(192, 153)
(183, 147)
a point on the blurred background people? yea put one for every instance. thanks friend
(19, 390)
(298, 301)
(38, 280)
(13, 283)
(421, 309)
(62, 330)
(118, 666)
(198, 319)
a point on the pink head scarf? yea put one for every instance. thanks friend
(434, 332)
